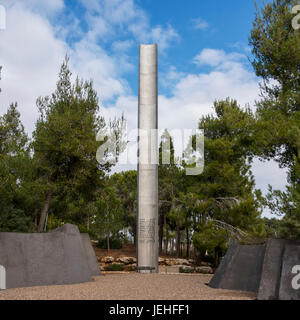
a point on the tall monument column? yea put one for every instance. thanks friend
(147, 215)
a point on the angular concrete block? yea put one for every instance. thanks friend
(217, 279)
(90, 254)
(240, 269)
(271, 271)
(38, 259)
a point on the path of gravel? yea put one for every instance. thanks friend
(131, 287)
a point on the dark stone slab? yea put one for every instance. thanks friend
(217, 280)
(271, 271)
(54, 258)
(240, 269)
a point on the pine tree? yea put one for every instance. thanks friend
(15, 164)
(276, 49)
(224, 193)
(65, 148)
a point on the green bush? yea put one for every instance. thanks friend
(114, 267)
(114, 243)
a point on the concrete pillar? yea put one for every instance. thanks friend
(147, 218)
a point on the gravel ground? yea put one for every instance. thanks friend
(131, 287)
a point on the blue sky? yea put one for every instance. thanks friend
(197, 24)
(203, 56)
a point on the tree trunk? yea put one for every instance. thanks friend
(187, 242)
(167, 234)
(45, 211)
(178, 240)
(107, 241)
(172, 246)
(36, 218)
(199, 257)
(218, 254)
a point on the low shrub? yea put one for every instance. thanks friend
(130, 268)
(114, 267)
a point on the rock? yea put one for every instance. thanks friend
(191, 261)
(161, 261)
(186, 269)
(126, 260)
(184, 262)
(107, 259)
(205, 270)
(177, 262)
(169, 262)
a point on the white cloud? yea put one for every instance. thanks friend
(194, 94)
(38, 6)
(268, 173)
(170, 78)
(99, 28)
(163, 37)
(90, 61)
(122, 45)
(31, 56)
(116, 11)
(106, 17)
(122, 11)
(200, 24)
(214, 58)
